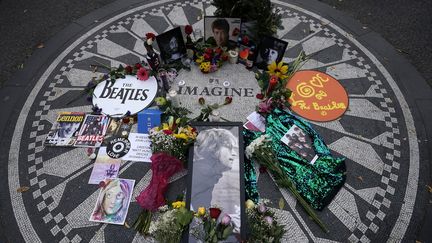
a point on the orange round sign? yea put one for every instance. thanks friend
(317, 96)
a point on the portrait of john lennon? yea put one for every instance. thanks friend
(113, 202)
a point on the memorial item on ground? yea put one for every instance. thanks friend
(211, 226)
(263, 17)
(317, 96)
(262, 223)
(116, 129)
(152, 57)
(316, 182)
(216, 174)
(297, 140)
(247, 50)
(170, 143)
(273, 84)
(270, 50)
(126, 96)
(140, 149)
(208, 111)
(148, 118)
(92, 131)
(220, 31)
(171, 45)
(104, 167)
(64, 131)
(260, 151)
(113, 201)
(172, 220)
(210, 59)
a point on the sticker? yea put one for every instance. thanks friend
(118, 147)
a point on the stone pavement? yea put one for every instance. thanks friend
(384, 135)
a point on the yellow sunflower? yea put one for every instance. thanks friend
(278, 69)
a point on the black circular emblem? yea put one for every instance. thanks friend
(118, 147)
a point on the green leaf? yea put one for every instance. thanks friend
(227, 232)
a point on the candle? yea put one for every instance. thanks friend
(233, 56)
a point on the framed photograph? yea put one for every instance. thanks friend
(216, 173)
(221, 31)
(270, 49)
(113, 201)
(171, 45)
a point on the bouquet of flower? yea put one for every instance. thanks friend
(210, 59)
(171, 223)
(210, 228)
(260, 151)
(273, 82)
(170, 144)
(262, 223)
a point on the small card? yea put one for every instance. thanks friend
(112, 204)
(104, 167)
(298, 141)
(140, 149)
(257, 121)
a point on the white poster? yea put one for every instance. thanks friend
(140, 148)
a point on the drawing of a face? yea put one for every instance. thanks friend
(113, 200)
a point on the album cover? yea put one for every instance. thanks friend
(92, 131)
(65, 129)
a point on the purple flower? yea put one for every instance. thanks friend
(226, 219)
(268, 219)
(262, 208)
(265, 106)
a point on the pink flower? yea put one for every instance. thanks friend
(268, 219)
(226, 219)
(142, 74)
(138, 65)
(265, 106)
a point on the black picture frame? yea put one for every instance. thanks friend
(171, 45)
(214, 133)
(267, 49)
(234, 30)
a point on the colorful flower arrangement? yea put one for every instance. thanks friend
(170, 144)
(171, 222)
(261, 151)
(263, 225)
(273, 84)
(211, 59)
(211, 227)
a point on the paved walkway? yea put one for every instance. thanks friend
(384, 135)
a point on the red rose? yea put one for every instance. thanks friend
(188, 29)
(138, 65)
(228, 100)
(218, 50)
(102, 184)
(128, 69)
(214, 213)
(209, 51)
(207, 56)
(168, 132)
(150, 36)
(201, 101)
(224, 57)
(245, 40)
(260, 96)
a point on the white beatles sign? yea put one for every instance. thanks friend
(128, 94)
